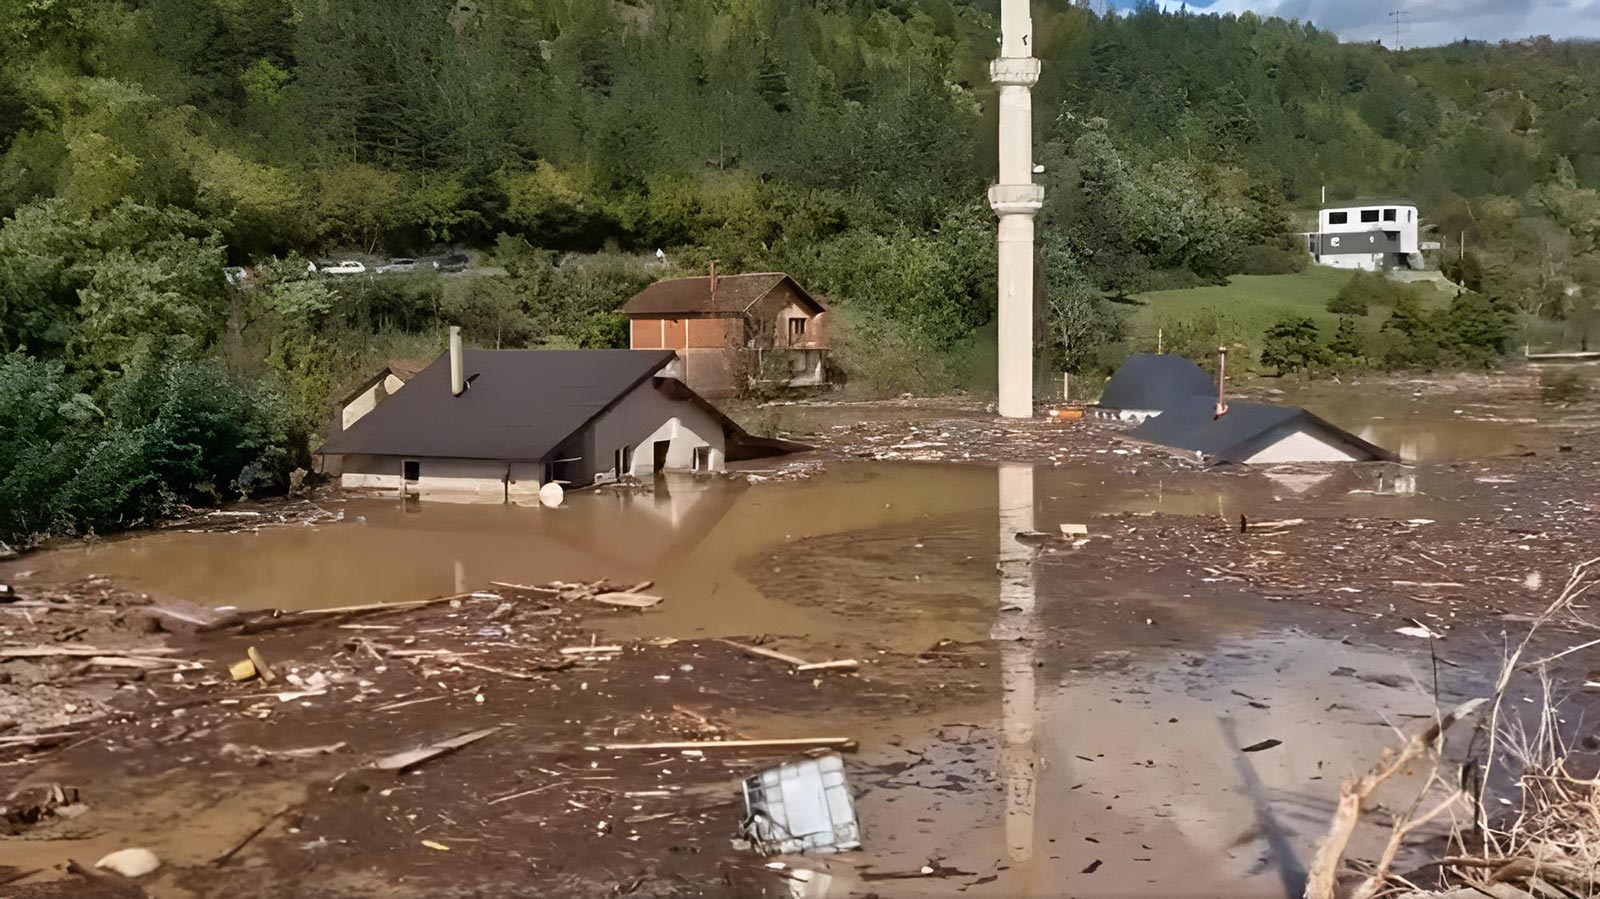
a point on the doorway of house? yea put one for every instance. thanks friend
(660, 448)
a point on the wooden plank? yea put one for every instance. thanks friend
(47, 652)
(411, 758)
(630, 600)
(842, 743)
(528, 588)
(836, 665)
(767, 653)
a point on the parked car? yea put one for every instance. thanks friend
(455, 262)
(347, 267)
(398, 265)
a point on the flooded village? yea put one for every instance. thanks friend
(1057, 661)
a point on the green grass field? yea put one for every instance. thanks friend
(1247, 305)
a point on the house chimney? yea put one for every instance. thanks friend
(713, 284)
(1222, 381)
(458, 381)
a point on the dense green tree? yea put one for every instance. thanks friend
(1346, 343)
(1293, 345)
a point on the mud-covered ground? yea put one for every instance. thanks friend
(182, 760)
(1038, 713)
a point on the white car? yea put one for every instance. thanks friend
(347, 267)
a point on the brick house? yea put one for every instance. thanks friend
(730, 330)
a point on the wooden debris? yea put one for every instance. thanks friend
(390, 706)
(846, 744)
(144, 664)
(278, 620)
(606, 649)
(1075, 530)
(766, 653)
(263, 670)
(836, 665)
(222, 859)
(630, 600)
(242, 670)
(45, 740)
(46, 652)
(403, 761)
(526, 588)
(562, 665)
(1272, 525)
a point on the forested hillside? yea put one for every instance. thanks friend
(145, 146)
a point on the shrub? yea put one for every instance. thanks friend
(170, 432)
(1270, 259)
(1291, 345)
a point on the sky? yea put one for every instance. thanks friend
(1428, 22)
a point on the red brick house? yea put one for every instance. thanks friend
(733, 329)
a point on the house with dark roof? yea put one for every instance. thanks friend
(1256, 434)
(1176, 404)
(499, 424)
(731, 330)
(1148, 383)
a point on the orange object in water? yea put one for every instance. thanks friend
(1067, 414)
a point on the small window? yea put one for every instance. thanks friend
(1369, 215)
(411, 470)
(1338, 218)
(1410, 213)
(702, 458)
(623, 458)
(1391, 215)
(797, 327)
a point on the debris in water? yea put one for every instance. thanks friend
(801, 807)
(1093, 867)
(1264, 744)
(130, 862)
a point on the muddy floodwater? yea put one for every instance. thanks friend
(692, 536)
(1164, 707)
(1116, 752)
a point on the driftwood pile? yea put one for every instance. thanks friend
(1544, 843)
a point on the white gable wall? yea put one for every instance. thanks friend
(1301, 444)
(647, 415)
(368, 400)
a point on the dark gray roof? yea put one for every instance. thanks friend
(1148, 381)
(1245, 430)
(520, 404)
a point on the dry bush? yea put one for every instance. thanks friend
(1550, 846)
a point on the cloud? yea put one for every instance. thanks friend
(1427, 22)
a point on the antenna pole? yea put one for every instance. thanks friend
(1399, 16)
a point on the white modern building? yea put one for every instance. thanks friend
(1370, 237)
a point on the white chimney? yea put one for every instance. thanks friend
(458, 380)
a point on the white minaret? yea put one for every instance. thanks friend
(1016, 199)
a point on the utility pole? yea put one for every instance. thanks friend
(1399, 17)
(1016, 200)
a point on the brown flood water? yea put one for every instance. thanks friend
(1452, 419)
(1101, 743)
(692, 538)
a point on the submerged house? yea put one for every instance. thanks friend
(1147, 384)
(730, 330)
(499, 424)
(1176, 404)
